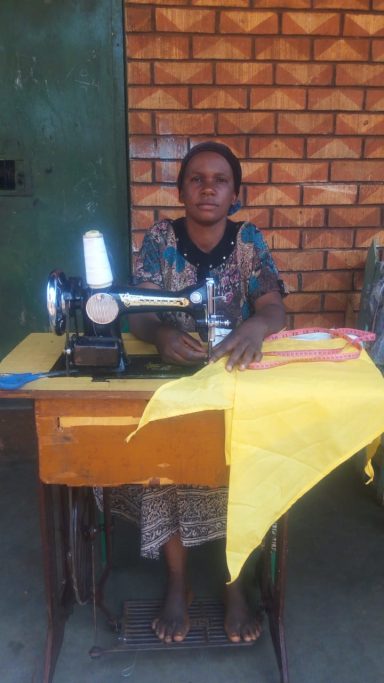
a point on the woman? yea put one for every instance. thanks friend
(176, 254)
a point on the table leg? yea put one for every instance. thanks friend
(273, 590)
(58, 590)
(101, 582)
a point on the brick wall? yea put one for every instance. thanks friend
(296, 89)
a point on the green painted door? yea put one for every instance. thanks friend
(62, 148)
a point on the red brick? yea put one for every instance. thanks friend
(303, 74)
(358, 278)
(149, 46)
(375, 100)
(138, 19)
(145, 147)
(330, 194)
(378, 50)
(374, 148)
(246, 122)
(222, 98)
(248, 22)
(254, 171)
(341, 50)
(236, 143)
(346, 258)
(166, 171)
(141, 171)
(156, 2)
(356, 216)
(336, 301)
(154, 195)
(335, 98)
(299, 302)
(299, 172)
(360, 124)
(327, 281)
(272, 195)
(371, 194)
(283, 49)
(354, 301)
(138, 73)
(341, 4)
(291, 281)
(357, 170)
(260, 217)
(364, 237)
(359, 74)
(363, 25)
(319, 320)
(137, 240)
(140, 122)
(305, 123)
(334, 148)
(220, 3)
(298, 216)
(171, 19)
(314, 23)
(268, 236)
(244, 72)
(188, 123)
(296, 133)
(244, 212)
(377, 4)
(144, 97)
(299, 260)
(284, 239)
(277, 98)
(276, 147)
(141, 219)
(299, 4)
(219, 47)
(327, 239)
(169, 212)
(183, 72)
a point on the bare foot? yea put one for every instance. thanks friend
(239, 623)
(172, 624)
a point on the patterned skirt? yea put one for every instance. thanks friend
(197, 513)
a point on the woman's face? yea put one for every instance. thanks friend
(208, 190)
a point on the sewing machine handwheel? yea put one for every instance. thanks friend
(82, 530)
(56, 287)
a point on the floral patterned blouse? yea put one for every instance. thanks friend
(241, 265)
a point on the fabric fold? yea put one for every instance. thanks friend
(286, 428)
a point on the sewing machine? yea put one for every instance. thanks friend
(82, 427)
(94, 315)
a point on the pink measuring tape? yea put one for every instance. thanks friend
(353, 338)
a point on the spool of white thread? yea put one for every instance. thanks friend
(97, 268)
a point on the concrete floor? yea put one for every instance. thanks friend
(334, 609)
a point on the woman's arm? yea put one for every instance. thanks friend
(243, 344)
(173, 345)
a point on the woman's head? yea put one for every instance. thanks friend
(217, 148)
(209, 182)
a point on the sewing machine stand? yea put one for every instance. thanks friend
(83, 530)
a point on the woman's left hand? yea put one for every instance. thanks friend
(243, 344)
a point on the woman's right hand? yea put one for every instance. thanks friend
(175, 346)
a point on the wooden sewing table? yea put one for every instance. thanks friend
(81, 427)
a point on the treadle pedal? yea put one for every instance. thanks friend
(206, 626)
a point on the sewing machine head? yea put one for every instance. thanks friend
(91, 318)
(89, 315)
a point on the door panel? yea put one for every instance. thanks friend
(62, 148)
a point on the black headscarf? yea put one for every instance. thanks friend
(218, 148)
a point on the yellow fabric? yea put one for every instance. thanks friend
(286, 428)
(370, 452)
